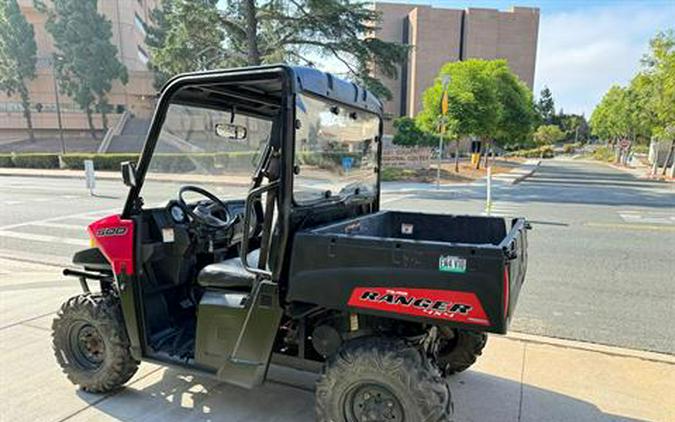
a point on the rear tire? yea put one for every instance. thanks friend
(91, 344)
(458, 353)
(379, 379)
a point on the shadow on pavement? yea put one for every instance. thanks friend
(175, 396)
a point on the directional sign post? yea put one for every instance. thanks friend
(90, 176)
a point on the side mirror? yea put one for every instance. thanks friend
(128, 173)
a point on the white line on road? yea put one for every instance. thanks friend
(81, 227)
(90, 214)
(395, 198)
(44, 238)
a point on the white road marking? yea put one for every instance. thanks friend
(647, 217)
(91, 215)
(82, 227)
(44, 238)
(395, 198)
(12, 202)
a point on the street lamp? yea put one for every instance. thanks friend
(58, 104)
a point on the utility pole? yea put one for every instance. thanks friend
(444, 113)
(58, 106)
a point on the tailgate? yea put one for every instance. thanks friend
(515, 249)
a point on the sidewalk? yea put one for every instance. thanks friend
(518, 378)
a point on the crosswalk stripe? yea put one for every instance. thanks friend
(44, 238)
(81, 227)
(90, 216)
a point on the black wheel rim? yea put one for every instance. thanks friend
(87, 345)
(370, 402)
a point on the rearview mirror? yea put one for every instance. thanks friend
(231, 131)
(128, 173)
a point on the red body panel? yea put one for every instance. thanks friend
(115, 238)
(438, 304)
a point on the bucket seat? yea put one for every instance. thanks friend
(229, 274)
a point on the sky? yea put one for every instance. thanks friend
(585, 46)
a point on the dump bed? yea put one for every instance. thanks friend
(462, 271)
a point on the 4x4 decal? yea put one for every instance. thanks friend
(439, 304)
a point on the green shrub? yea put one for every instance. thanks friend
(541, 152)
(569, 148)
(604, 153)
(101, 161)
(36, 161)
(6, 161)
(161, 162)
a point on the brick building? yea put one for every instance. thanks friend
(129, 22)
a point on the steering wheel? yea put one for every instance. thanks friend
(203, 213)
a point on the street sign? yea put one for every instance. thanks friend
(624, 143)
(444, 103)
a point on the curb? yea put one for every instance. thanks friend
(593, 347)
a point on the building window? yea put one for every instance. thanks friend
(143, 55)
(140, 24)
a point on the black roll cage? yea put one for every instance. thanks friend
(293, 80)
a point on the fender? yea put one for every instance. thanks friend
(114, 237)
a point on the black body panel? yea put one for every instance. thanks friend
(403, 250)
(92, 259)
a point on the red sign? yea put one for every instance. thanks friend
(438, 304)
(624, 143)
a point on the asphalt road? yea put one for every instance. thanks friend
(601, 260)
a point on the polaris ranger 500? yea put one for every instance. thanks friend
(301, 268)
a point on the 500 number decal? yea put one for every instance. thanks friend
(111, 231)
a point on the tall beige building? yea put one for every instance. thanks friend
(440, 35)
(129, 20)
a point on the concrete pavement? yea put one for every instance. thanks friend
(517, 378)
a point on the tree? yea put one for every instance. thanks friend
(473, 107)
(272, 31)
(659, 68)
(574, 126)
(17, 56)
(185, 36)
(610, 118)
(516, 118)
(547, 135)
(86, 61)
(546, 106)
(408, 133)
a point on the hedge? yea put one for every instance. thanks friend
(541, 152)
(35, 161)
(162, 162)
(175, 162)
(6, 161)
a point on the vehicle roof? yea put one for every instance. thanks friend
(304, 80)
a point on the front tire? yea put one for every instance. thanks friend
(381, 380)
(91, 344)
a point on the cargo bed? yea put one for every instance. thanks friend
(462, 271)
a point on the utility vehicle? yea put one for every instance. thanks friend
(301, 268)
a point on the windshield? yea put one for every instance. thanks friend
(205, 147)
(335, 151)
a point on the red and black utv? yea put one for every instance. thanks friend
(282, 254)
